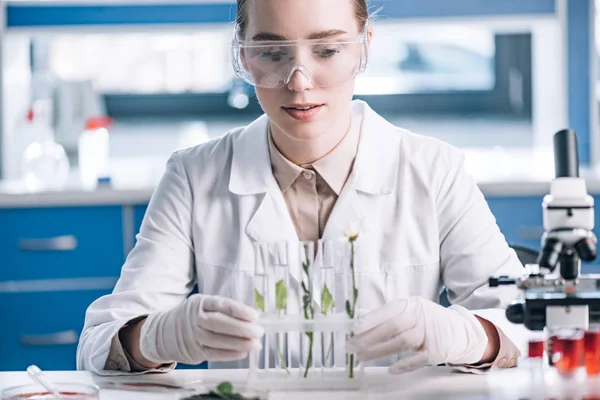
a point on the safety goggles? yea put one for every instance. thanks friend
(324, 62)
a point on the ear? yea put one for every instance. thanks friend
(369, 34)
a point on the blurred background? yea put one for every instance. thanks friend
(95, 95)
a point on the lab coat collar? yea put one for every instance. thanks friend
(251, 164)
(375, 168)
(376, 165)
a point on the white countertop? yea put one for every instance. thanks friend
(426, 383)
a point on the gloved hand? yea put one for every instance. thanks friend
(202, 328)
(437, 335)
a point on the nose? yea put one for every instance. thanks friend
(299, 80)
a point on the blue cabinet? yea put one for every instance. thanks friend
(54, 263)
(42, 328)
(53, 243)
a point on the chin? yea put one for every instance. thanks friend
(303, 130)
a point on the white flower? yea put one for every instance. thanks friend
(351, 232)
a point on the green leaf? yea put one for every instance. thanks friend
(259, 301)
(348, 308)
(327, 302)
(355, 294)
(305, 267)
(225, 388)
(304, 288)
(280, 295)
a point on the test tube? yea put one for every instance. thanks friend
(591, 340)
(324, 264)
(352, 255)
(261, 299)
(307, 338)
(281, 289)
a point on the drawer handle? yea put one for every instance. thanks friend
(51, 339)
(530, 232)
(58, 243)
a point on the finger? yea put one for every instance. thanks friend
(417, 360)
(227, 342)
(410, 340)
(220, 323)
(223, 355)
(230, 307)
(379, 316)
(382, 333)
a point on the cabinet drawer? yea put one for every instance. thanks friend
(56, 243)
(520, 219)
(42, 328)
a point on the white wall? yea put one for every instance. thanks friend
(15, 101)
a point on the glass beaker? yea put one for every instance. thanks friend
(568, 350)
(591, 340)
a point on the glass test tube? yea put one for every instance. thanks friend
(307, 307)
(282, 291)
(351, 257)
(324, 264)
(261, 298)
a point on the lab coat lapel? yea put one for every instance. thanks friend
(251, 177)
(374, 174)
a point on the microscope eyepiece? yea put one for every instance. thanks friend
(566, 157)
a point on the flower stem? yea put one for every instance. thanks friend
(352, 310)
(309, 311)
(279, 353)
(330, 346)
(310, 351)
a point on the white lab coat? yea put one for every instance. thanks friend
(425, 220)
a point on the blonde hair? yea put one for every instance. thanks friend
(241, 19)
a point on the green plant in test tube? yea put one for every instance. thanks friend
(307, 305)
(259, 301)
(351, 306)
(281, 294)
(327, 304)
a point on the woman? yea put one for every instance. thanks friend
(315, 163)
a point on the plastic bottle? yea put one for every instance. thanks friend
(94, 153)
(45, 164)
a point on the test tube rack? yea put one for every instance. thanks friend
(307, 305)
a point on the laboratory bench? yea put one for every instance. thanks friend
(425, 383)
(61, 250)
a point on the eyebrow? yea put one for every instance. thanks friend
(319, 35)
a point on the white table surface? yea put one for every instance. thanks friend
(432, 379)
(426, 383)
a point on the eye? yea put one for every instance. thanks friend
(327, 52)
(273, 54)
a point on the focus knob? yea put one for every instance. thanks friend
(515, 313)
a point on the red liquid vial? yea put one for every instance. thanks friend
(592, 351)
(570, 350)
(535, 348)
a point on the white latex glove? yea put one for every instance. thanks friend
(202, 328)
(437, 335)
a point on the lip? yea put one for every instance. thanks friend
(302, 115)
(294, 105)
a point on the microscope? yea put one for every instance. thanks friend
(567, 298)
